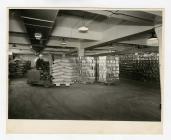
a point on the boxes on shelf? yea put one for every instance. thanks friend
(144, 66)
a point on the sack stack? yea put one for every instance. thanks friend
(64, 71)
(12, 69)
(87, 69)
(18, 68)
(108, 69)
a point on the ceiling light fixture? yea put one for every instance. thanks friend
(63, 42)
(153, 40)
(83, 28)
(38, 36)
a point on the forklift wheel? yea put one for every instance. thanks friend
(47, 85)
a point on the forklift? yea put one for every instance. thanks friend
(39, 75)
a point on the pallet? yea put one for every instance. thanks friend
(111, 83)
(59, 84)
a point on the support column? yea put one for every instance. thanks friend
(80, 52)
(158, 31)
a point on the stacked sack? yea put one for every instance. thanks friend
(64, 71)
(12, 69)
(20, 70)
(17, 68)
(108, 69)
(87, 69)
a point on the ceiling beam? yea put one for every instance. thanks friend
(37, 19)
(134, 16)
(117, 33)
(24, 44)
(34, 25)
(53, 47)
(74, 33)
(58, 47)
(18, 33)
(24, 50)
(61, 49)
(28, 47)
(71, 52)
(141, 41)
(156, 12)
(57, 42)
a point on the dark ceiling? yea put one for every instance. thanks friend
(38, 21)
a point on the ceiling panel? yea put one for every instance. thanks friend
(37, 22)
(39, 13)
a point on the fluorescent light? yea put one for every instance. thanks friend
(83, 29)
(63, 42)
(153, 40)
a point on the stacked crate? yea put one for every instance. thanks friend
(87, 71)
(108, 71)
(64, 71)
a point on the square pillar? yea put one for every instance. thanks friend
(158, 31)
(80, 52)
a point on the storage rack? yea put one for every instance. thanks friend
(143, 67)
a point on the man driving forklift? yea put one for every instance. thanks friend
(36, 75)
(39, 62)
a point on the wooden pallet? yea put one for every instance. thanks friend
(115, 82)
(60, 84)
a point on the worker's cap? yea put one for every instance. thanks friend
(40, 55)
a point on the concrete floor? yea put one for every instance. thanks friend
(127, 101)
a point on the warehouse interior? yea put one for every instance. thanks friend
(85, 64)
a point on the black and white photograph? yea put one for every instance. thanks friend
(81, 64)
